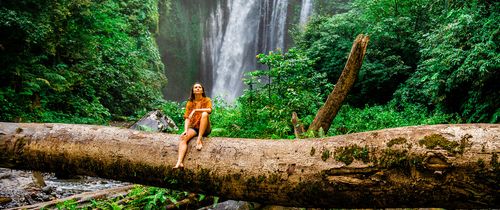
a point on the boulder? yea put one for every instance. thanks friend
(155, 121)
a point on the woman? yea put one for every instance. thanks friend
(196, 121)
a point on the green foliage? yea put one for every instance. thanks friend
(87, 62)
(352, 120)
(140, 197)
(174, 110)
(459, 71)
(155, 198)
(67, 205)
(329, 7)
(78, 61)
(441, 54)
(265, 109)
(394, 28)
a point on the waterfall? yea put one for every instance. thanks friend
(231, 46)
(276, 34)
(251, 27)
(305, 11)
(215, 41)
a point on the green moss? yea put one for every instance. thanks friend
(312, 151)
(494, 161)
(435, 140)
(236, 176)
(480, 163)
(227, 177)
(273, 179)
(399, 159)
(325, 155)
(251, 182)
(395, 141)
(261, 178)
(349, 153)
(19, 130)
(464, 143)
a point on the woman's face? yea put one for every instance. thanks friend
(197, 89)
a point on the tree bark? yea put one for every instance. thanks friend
(448, 166)
(329, 110)
(298, 127)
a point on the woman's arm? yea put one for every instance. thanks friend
(208, 110)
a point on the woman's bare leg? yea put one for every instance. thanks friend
(204, 123)
(183, 147)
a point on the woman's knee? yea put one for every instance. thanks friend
(183, 140)
(189, 134)
(204, 114)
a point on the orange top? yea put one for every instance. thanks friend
(205, 102)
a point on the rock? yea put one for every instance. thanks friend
(274, 207)
(5, 175)
(233, 205)
(155, 121)
(47, 189)
(44, 197)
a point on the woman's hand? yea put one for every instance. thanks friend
(191, 114)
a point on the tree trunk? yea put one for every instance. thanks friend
(298, 127)
(327, 112)
(449, 166)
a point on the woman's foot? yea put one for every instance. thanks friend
(199, 145)
(179, 166)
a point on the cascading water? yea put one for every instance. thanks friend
(231, 47)
(275, 35)
(227, 34)
(305, 11)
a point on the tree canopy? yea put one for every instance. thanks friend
(78, 61)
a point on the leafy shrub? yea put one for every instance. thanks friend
(264, 110)
(65, 60)
(353, 120)
(459, 71)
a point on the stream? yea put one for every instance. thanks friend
(17, 188)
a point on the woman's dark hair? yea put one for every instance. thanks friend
(191, 97)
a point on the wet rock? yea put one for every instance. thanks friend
(44, 197)
(47, 189)
(273, 207)
(29, 199)
(5, 175)
(233, 205)
(155, 121)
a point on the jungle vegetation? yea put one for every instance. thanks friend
(93, 62)
(427, 62)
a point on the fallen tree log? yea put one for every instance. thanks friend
(449, 166)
